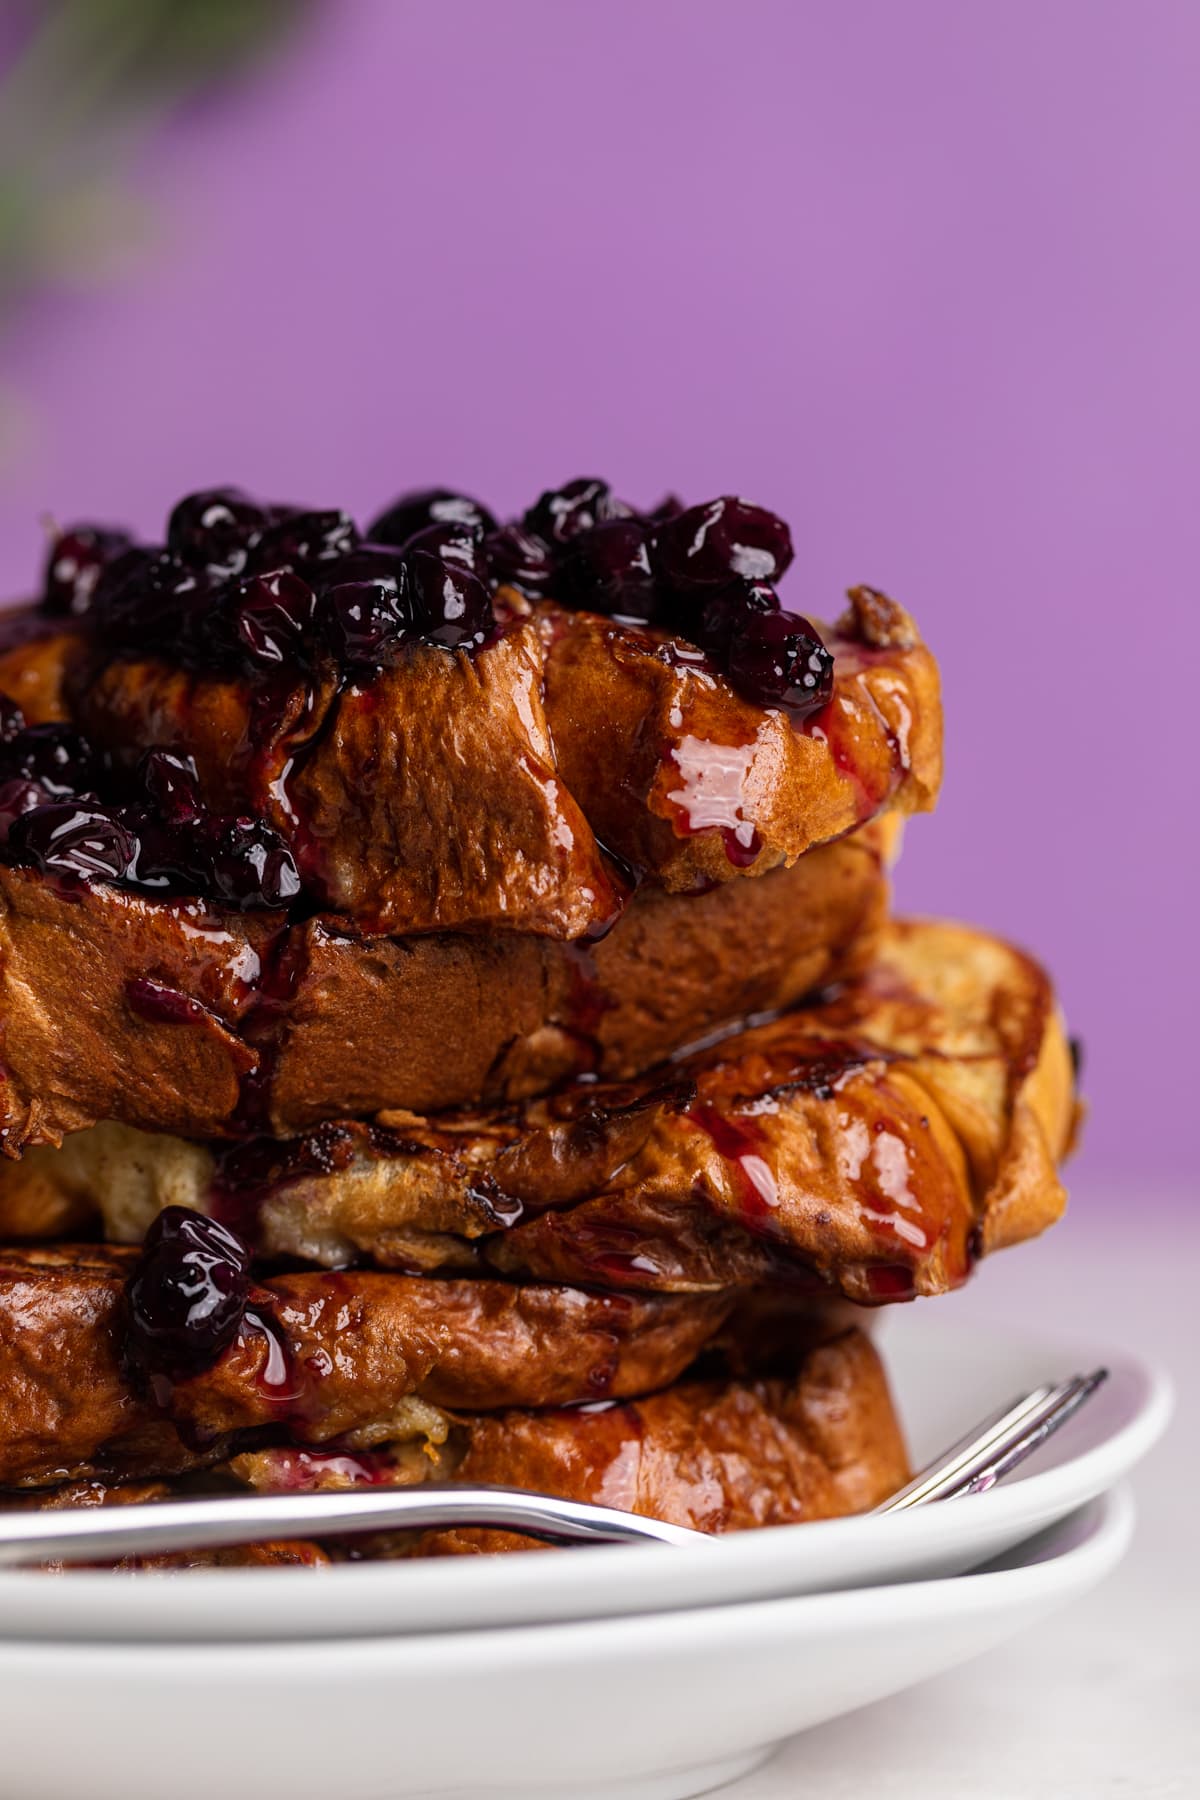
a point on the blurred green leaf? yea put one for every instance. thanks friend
(91, 83)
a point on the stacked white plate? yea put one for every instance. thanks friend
(646, 1672)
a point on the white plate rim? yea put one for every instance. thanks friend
(1043, 1570)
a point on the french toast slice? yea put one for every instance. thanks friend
(326, 1356)
(877, 1140)
(181, 1016)
(526, 785)
(717, 1456)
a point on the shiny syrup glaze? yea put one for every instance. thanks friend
(741, 1143)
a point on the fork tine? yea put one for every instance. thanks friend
(977, 1461)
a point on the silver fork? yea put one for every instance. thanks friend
(216, 1521)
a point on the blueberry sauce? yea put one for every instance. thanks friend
(256, 590)
(68, 812)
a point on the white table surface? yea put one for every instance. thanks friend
(1104, 1698)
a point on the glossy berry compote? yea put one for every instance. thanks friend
(65, 811)
(187, 1295)
(277, 594)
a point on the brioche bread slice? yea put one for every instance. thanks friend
(878, 1140)
(715, 1456)
(177, 1016)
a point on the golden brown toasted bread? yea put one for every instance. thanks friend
(715, 1456)
(681, 776)
(178, 1016)
(475, 791)
(327, 1355)
(877, 1140)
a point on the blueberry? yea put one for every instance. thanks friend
(707, 544)
(712, 620)
(168, 856)
(88, 841)
(17, 797)
(215, 530)
(188, 1292)
(272, 619)
(171, 784)
(366, 621)
(305, 537)
(462, 544)
(246, 864)
(58, 758)
(452, 607)
(425, 507)
(76, 561)
(518, 558)
(12, 719)
(607, 570)
(148, 602)
(562, 513)
(778, 659)
(366, 562)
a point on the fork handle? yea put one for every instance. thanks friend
(218, 1521)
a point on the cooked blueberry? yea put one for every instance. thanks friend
(272, 618)
(187, 1292)
(303, 537)
(517, 558)
(17, 797)
(778, 659)
(58, 758)
(452, 606)
(246, 863)
(90, 842)
(147, 601)
(365, 621)
(713, 620)
(562, 513)
(216, 529)
(168, 857)
(170, 781)
(12, 719)
(366, 562)
(462, 544)
(429, 506)
(75, 563)
(707, 544)
(607, 570)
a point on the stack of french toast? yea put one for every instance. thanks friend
(452, 1027)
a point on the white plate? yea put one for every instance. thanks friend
(642, 1707)
(946, 1378)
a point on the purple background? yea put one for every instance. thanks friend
(925, 278)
